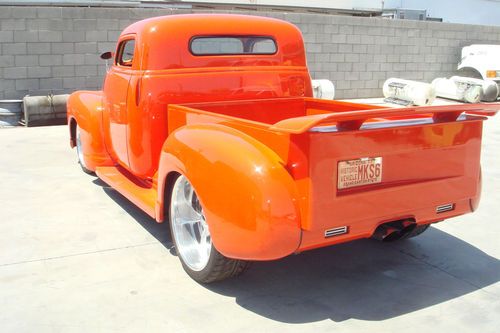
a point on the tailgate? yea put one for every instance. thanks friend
(363, 172)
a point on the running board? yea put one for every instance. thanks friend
(141, 196)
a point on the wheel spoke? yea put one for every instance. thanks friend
(182, 222)
(193, 213)
(192, 231)
(189, 228)
(185, 213)
(205, 234)
(189, 197)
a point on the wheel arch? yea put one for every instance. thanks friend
(72, 132)
(474, 64)
(166, 190)
(85, 111)
(470, 71)
(250, 200)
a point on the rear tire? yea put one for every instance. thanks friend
(192, 239)
(79, 152)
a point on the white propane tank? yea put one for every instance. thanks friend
(323, 89)
(407, 92)
(489, 88)
(451, 89)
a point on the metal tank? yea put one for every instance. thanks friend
(408, 92)
(323, 89)
(489, 88)
(458, 90)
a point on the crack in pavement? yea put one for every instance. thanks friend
(442, 270)
(79, 254)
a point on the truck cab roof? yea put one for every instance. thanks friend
(165, 42)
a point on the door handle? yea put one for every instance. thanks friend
(138, 91)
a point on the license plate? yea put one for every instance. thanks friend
(362, 171)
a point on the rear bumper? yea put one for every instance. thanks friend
(364, 228)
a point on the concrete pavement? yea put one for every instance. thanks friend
(75, 256)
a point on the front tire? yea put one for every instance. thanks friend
(192, 239)
(79, 152)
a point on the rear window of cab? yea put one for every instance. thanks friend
(232, 45)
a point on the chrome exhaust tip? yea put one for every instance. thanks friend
(392, 231)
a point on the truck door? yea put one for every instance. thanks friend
(116, 90)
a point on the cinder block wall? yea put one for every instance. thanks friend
(55, 49)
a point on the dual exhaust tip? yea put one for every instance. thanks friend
(392, 231)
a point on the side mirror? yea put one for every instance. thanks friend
(107, 55)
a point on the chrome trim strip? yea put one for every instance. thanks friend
(324, 129)
(382, 124)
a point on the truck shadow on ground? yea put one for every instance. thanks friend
(365, 280)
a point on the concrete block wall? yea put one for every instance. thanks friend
(55, 50)
(359, 54)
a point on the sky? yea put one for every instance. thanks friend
(484, 12)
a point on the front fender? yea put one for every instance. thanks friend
(85, 107)
(249, 199)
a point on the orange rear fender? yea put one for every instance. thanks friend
(85, 107)
(249, 199)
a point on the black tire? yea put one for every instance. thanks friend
(217, 267)
(79, 153)
(418, 230)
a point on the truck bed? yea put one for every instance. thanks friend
(428, 159)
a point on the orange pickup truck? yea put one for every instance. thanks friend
(209, 121)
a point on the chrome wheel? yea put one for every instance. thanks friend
(189, 228)
(79, 150)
